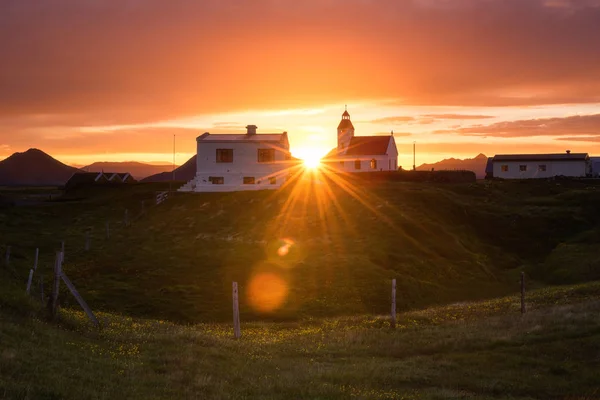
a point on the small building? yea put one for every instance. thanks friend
(489, 168)
(531, 166)
(79, 179)
(235, 162)
(595, 166)
(361, 153)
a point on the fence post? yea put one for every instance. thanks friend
(7, 255)
(79, 299)
(28, 289)
(523, 309)
(236, 313)
(56, 287)
(393, 303)
(37, 255)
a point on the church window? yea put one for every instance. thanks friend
(266, 155)
(224, 155)
(373, 164)
(216, 180)
(248, 180)
(357, 164)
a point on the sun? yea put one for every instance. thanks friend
(312, 161)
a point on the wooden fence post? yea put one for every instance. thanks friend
(28, 289)
(523, 309)
(56, 287)
(7, 255)
(393, 303)
(107, 230)
(79, 299)
(37, 255)
(236, 313)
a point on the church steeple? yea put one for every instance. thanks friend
(345, 131)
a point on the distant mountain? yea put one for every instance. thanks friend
(186, 173)
(136, 169)
(476, 165)
(34, 168)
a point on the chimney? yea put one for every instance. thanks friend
(568, 151)
(251, 129)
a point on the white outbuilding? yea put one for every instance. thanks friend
(361, 153)
(235, 162)
(531, 166)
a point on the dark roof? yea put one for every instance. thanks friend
(368, 145)
(542, 157)
(345, 124)
(80, 178)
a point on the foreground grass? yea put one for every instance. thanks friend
(483, 350)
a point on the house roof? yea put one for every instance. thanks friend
(242, 137)
(542, 157)
(368, 145)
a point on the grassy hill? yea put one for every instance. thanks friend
(312, 249)
(483, 350)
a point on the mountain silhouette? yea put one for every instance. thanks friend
(476, 165)
(185, 173)
(34, 168)
(137, 169)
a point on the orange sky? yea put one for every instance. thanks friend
(114, 80)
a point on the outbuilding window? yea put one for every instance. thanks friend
(248, 180)
(373, 164)
(504, 168)
(357, 164)
(224, 155)
(522, 168)
(542, 167)
(216, 180)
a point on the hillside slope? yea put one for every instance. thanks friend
(186, 172)
(476, 164)
(34, 168)
(310, 249)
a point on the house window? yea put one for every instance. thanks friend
(373, 164)
(522, 168)
(216, 180)
(266, 155)
(272, 180)
(248, 180)
(542, 167)
(504, 168)
(357, 164)
(224, 155)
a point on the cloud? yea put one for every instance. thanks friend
(592, 139)
(391, 120)
(139, 61)
(457, 116)
(587, 125)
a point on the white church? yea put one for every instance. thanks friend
(361, 153)
(234, 162)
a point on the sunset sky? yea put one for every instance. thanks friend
(100, 80)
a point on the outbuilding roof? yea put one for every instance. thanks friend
(542, 157)
(241, 137)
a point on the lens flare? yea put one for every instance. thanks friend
(267, 292)
(285, 247)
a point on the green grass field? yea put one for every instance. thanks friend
(314, 262)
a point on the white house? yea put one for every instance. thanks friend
(361, 153)
(528, 166)
(233, 162)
